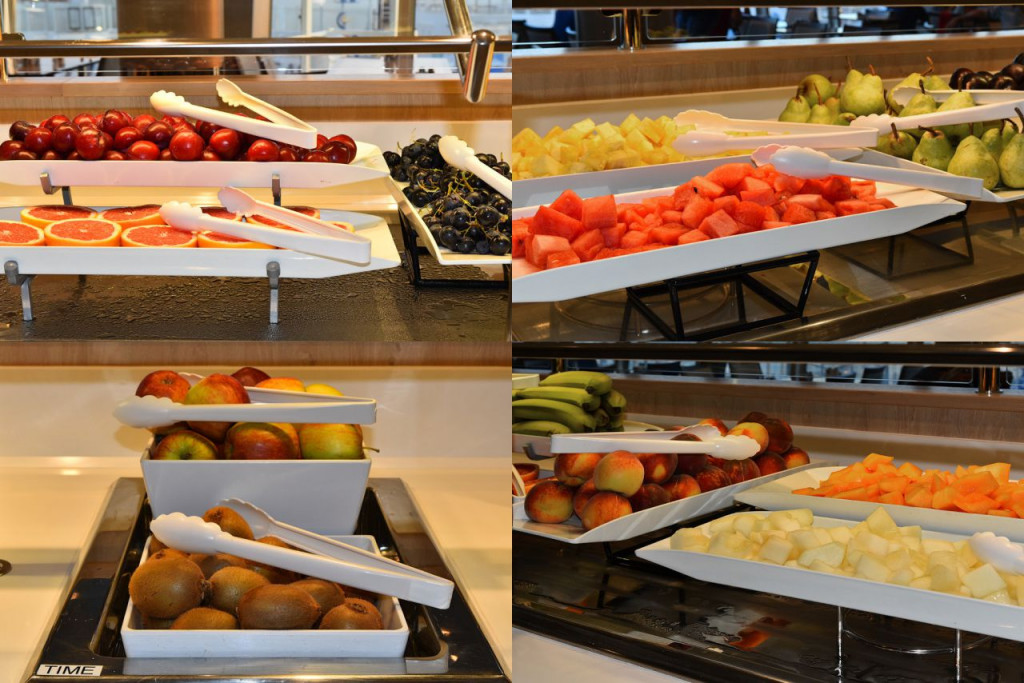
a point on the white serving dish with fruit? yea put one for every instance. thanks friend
(873, 565)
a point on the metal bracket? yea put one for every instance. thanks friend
(50, 188)
(413, 250)
(16, 278)
(274, 275)
(275, 187)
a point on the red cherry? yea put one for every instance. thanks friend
(206, 129)
(186, 145)
(159, 133)
(25, 155)
(225, 142)
(64, 137)
(39, 140)
(172, 121)
(144, 150)
(50, 155)
(316, 156)
(85, 121)
(73, 155)
(338, 152)
(288, 154)
(321, 140)
(210, 155)
(115, 155)
(114, 121)
(126, 137)
(90, 144)
(165, 154)
(262, 150)
(55, 120)
(19, 129)
(142, 121)
(347, 139)
(8, 148)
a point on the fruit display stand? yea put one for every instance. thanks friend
(710, 623)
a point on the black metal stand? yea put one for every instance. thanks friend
(741, 278)
(413, 251)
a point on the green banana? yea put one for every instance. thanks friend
(539, 428)
(602, 417)
(573, 417)
(594, 382)
(617, 421)
(613, 402)
(577, 397)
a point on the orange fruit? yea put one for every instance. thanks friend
(345, 226)
(215, 240)
(157, 236)
(41, 216)
(306, 210)
(221, 212)
(83, 232)
(286, 383)
(131, 216)
(15, 234)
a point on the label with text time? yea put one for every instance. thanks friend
(69, 670)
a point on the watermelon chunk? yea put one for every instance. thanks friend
(667, 234)
(520, 231)
(683, 195)
(706, 188)
(696, 211)
(558, 259)
(547, 221)
(599, 213)
(692, 236)
(719, 224)
(613, 236)
(764, 197)
(727, 203)
(795, 213)
(634, 239)
(730, 175)
(538, 247)
(768, 225)
(588, 244)
(848, 207)
(569, 203)
(836, 187)
(750, 213)
(787, 183)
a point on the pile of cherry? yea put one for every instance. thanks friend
(116, 135)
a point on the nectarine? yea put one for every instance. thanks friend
(780, 435)
(711, 478)
(681, 486)
(648, 496)
(582, 495)
(769, 463)
(572, 469)
(754, 430)
(549, 502)
(604, 507)
(716, 423)
(795, 457)
(658, 466)
(619, 472)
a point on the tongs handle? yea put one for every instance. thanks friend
(151, 411)
(985, 112)
(240, 202)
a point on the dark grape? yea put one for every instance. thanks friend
(465, 246)
(500, 245)
(458, 218)
(476, 198)
(501, 204)
(486, 216)
(449, 237)
(475, 232)
(392, 159)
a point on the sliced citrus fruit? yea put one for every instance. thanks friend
(157, 236)
(41, 216)
(345, 226)
(306, 210)
(131, 216)
(221, 212)
(15, 234)
(83, 232)
(215, 240)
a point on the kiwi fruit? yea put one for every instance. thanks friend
(165, 588)
(274, 574)
(353, 614)
(211, 564)
(328, 595)
(351, 592)
(277, 606)
(150, 622)
(230, 521)
(165, 553)
(156, 545)
(229, 584)
(205, 619)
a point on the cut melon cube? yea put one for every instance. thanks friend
(685, 539)
(853, 556)
(871, 568)
(870, 543)
(819, 566)
(945, 579)
(924, 582)
(942, 557)
(899, 559)
(840, 534)
(791, 563)
(776, 550)
(747, 523)
(966, 555)
(912, 543)
(831, 554)
(910, 531)
(1001, 596)
(902, 577)
(721, 524)
(730, 544)
(983, 581)
(880, 522)
(1018, 584)
(802, 515)
(783, 520)
(934, 545)
(805, 539)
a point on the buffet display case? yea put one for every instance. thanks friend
(705, 616)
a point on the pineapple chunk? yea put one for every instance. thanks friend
(881, 523)
(526, 138)
(629, 123)
(586, 126)
(984, 581)
(553, 133)
(776, 550)
(623, 158)
(546, 165)
(831, 554)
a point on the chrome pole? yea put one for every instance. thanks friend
(461, 25)
(478, 66)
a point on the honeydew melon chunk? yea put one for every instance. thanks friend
(686, 538)
(913, 531)
(871, 568)
(933, 545)
(1000, 596)
(803, 516)
(775, 550)
(903, 576)
(831, 554)
(912, 543)
(853, 556)
(840, 534)
(870, 543)
(1017, 582)
(966, 555)
(942, 557)
(730, 544)
(945, 579)
(783, 521)
(898, 559)
(805, 539)
(984, 581)
(823, 535)
(881, 523)
(747, 523)
(924, 582)
(791, 563)
(721, 524)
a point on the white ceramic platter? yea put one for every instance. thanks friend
(368, 164)
(387, 642)
(542, 444)
(914, 208)
(997, 196)
(642, 522)
(201, 261)
(778, 495)
(940, 609)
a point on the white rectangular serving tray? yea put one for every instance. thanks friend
(642, 522)
(388, 642)
(1001, 195)
(778, 495)
(368, 164)
(443, 255)
(940, 609)
(202, 261)
(914, 208)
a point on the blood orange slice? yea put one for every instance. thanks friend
(306, 210)
(41, 216)
(83, 232)
(215, 240)
(13, 233)
(157, 236)
(131, 216)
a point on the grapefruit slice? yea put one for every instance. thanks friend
(131, 216)
(157, 236)
(221, 212)
(344, 226)
(215, 240)
(15, 234)
(41, 216)
(306, 210)
(83, 232)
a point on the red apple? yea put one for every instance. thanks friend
(184, 445)
(549, 502)
(528, 471)
(658, 466)
(572, 469)
(769, 463)
(258, 441)
(604, 507)
(582, 495)
(249, 377)
(215, 389)
(649, 495)
(780, 435)
(164, 384)
(681, 486)
(620, 472)
(711, 478)
(795, 457)
(331, 442)
(716, 423)
(754, 430)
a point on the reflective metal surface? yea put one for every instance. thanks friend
(444, 645)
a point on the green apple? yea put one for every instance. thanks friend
(331, 442)
(259, 441)
(215, 389)
(184, 445)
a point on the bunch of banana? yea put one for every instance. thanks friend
(568, 403)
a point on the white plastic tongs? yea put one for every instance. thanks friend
(998, 551)
(275, 405)
(710, 136)
(281, 126)
(735, 447)
(984, 112)
(316, 238)
(325, 558)
(808, 163)
(460, 155)
(904, 93)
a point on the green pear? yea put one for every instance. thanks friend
(816, 89)
(921, 103)
(1011, 163)
(972, 160)
(934, 82)
(862, 94)
(797, 110)
(898, 143)
(843, 119)
(912, 80)
(993, 141)
(958, 100)
(933, 150)
(820, 114)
